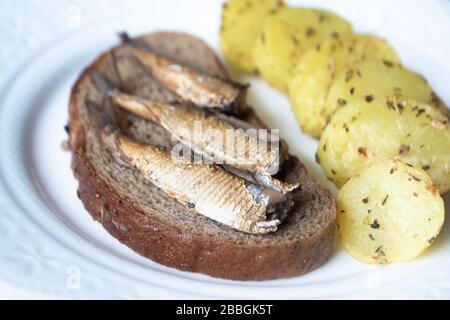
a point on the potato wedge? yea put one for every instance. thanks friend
(389, 212)
(318, 68)
(372, 79)
(240, 29)
(286, 35)
(365, 132)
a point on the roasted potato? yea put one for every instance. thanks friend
(389, 212)
(317, 69)
(286, 35)
(372, 79)
(364, 132)
(241, 26)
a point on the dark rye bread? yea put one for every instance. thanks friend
(144, 218)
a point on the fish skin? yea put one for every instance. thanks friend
(263, 179)
(179, 120)
(233, 204)
(189, 85)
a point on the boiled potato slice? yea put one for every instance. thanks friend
(286, 35)
(389, 212)
(317, 69)
(372, 79)
(241, 26)
(365, 132)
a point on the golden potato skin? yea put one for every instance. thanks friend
(318, 68)
(286, 35)
(362, 133)
(240, 29)
(377, 78)
(389, 212)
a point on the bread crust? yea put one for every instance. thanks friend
(185, 249)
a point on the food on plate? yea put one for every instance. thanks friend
(240, 28)
(186, 124)
(199, 217)
(236, 204)
(189, 84)
(368, 80)
(319, 67)
(287, 33)
(364, 132)
(389, 212)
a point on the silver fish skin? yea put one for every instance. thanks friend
(247, 152)
(213, 192)
(263, 179)
(249, 158)
(190, 85)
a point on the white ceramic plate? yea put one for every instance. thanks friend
(50, 246)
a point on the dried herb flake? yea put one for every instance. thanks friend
(352, 91)
(310, 31)
(316, 156)
(388, 63)
(369, 98)
(363, 151)
(349, 75)
(384, 200)
(403, 149)
(375, 224)
(342, 102)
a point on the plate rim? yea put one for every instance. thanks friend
(20, 77)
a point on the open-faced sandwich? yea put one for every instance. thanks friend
(249, 214)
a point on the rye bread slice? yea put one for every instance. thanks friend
(144, 218)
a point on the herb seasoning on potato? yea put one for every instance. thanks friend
(402, 218)
(240, 29)
(286, 35)
(376, 79)
(318, 68)
(387, 127)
